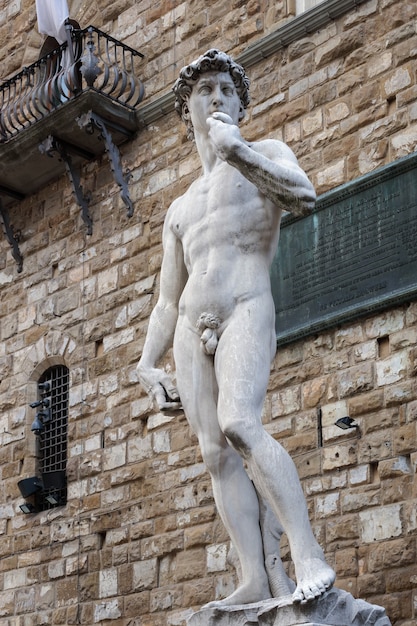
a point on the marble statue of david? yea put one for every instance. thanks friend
(215, 307)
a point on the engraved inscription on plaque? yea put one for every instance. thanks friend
(356, 253)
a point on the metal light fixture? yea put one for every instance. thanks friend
(345, 423)
(37, 426)
(43, 416)
(27, 507)
(51, 499)
(30, 486)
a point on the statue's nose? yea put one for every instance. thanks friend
(217, 96)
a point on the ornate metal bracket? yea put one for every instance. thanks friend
(51, 145)
(91, 120)
(11, 236)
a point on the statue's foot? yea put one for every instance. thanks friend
(314, 577)
(245, 594)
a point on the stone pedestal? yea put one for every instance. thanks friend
(334, 608)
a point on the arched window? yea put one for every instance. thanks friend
(51, 426)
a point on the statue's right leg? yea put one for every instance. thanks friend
(243, 372)
(233, 491)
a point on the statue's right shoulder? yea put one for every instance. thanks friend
(179, 206)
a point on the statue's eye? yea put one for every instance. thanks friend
(204, 90)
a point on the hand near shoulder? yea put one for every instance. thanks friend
(269, 164)
(159, 386)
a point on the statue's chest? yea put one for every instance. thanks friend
(226, 193)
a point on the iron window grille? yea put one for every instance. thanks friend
(52, 440)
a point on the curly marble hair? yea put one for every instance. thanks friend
(212, 60)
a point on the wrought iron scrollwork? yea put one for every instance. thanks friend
(89, 62)
(52, 145)
(91, 120)
(90, 59)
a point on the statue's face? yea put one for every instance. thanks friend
(213, 92)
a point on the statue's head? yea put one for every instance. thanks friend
(211, 61)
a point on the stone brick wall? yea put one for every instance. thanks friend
(360, 483)
(139, 541)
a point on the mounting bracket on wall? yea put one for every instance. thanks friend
(51, 145)
(11, 236)
(91, 121)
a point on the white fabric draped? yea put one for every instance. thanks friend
(51, 18)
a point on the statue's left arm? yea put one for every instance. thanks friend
(270, 165)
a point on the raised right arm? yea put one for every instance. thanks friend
(163, 320)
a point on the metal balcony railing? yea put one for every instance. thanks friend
(90, 60)
(75, 103)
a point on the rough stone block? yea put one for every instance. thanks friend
(391, 554)
(358, 499)
(145, 574)
(107, 611)
(392, 369)
(346, 562)
(398, 466)
(314, 392)
(399, 79)
(286, 402)
(335, 608)
(360, 475)
(163, 544)
(190, 564)
(356, 379)
(380, 523)
(327, 505)
(216, 557)
(331, 176)
(108, 583)
(405, 439)
(340, 455)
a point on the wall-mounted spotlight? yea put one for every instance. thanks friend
(27, 507)
(51, 499)
(30, 486)
(345, 423)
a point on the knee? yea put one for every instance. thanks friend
(241, 437)
(221, 459)
(213, 456)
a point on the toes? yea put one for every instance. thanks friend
(330, 580)
(321, 587)
(302, 595)
(308, 592)
(297, 596)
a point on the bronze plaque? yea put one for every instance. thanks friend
(356, 253)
